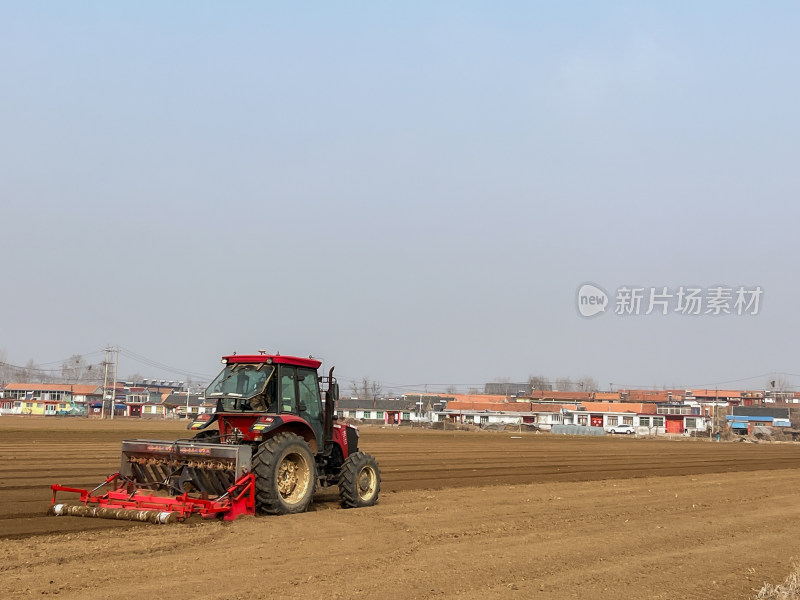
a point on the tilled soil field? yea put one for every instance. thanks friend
(462, 515)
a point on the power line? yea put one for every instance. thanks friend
(66, 360)
(157, 365)
(733, 380)
(33, 369)
(707, 385)
(39, 366)
(65, 363)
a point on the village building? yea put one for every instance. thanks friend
(744, 419)
(717, 397)
(49, 398)
(556, 396)
(472, 412)
(385, 411)
(183, 405)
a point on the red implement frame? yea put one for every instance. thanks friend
(238, 500)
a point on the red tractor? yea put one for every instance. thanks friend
(275, 440)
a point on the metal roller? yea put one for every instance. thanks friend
(122, 514)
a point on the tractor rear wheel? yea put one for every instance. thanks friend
(285, 475)
(359, 481)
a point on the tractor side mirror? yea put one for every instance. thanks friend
(335, 391)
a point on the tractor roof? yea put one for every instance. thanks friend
(273, 358)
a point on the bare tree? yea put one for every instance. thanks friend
(75, 370)
(196, 386)
(366, 389)
(539, 382)
(11, 373)
(587, 384)
(375, 390)
(30, 373)
(4, 367)
(565, 384)
(780, 384)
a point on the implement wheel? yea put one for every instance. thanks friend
(359, 481)
(285, 475)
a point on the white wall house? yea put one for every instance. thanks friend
(544, 420)
(383, 411)
(480, 417)
(393, 417)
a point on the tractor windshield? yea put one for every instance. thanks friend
(239, 383)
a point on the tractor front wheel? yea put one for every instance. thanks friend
(359, 481)
(285, 475)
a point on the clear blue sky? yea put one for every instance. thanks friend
(413, 191)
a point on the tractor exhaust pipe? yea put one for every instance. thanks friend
(331, 397)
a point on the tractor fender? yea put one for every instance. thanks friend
(346, 437)
(295, 425)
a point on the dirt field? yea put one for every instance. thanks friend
(462, 515)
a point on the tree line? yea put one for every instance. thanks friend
(73, 370)
(369, 389)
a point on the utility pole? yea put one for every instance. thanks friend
(105, 385)
(114, 384)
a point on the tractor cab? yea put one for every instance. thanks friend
(244, 387)
(250, 387)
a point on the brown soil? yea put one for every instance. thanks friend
(466, 515)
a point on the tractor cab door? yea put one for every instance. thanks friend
(300, 396)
